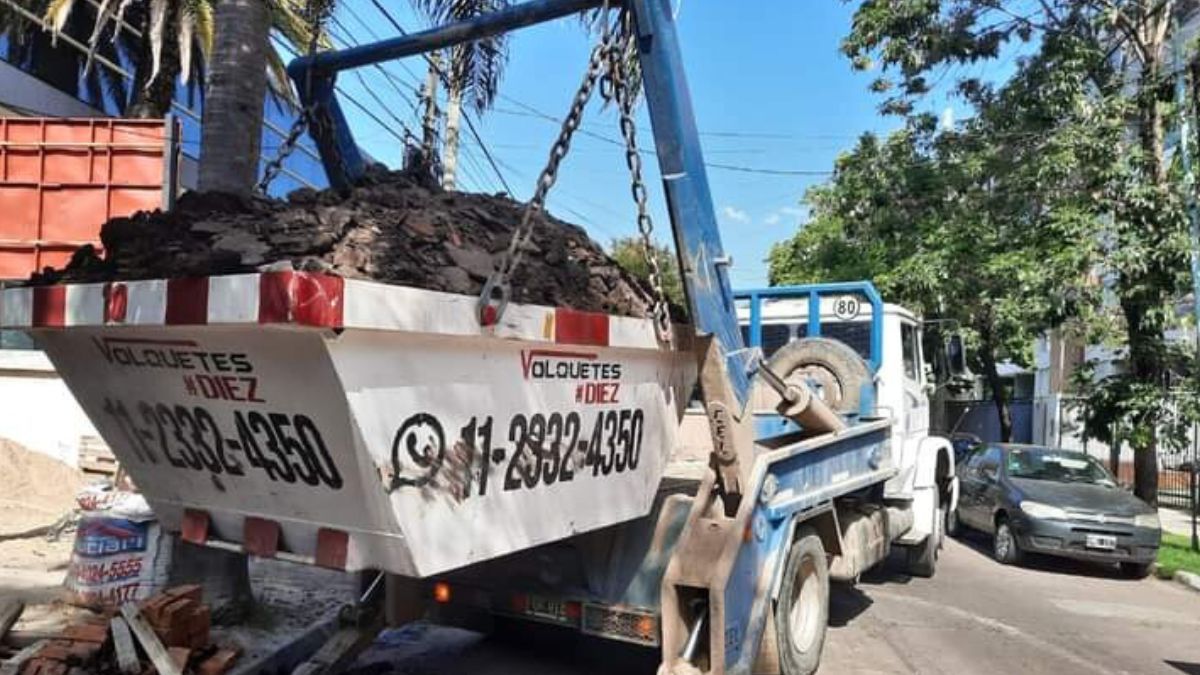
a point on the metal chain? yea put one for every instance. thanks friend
(621, 92)
(496, 292)
(317, 11)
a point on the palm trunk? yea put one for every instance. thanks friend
(152, 98)
(233, 107)
(450, 148)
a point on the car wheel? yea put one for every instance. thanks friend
(803, 608)
(1005, 548)
(954, 528)
(1134, 570)
(922, 558)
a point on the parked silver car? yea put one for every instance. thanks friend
(1054, 502)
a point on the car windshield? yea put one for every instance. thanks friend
(1057, 465)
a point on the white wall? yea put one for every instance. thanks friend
(36, 408)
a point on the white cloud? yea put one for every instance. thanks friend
(735, 214)
(794, 211)
(772, 219)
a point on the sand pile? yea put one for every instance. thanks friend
(35, 490)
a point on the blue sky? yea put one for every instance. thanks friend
(769, 88)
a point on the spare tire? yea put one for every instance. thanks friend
(839, 372)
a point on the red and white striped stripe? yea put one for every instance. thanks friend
(305, 299)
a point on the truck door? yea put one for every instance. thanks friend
(916, 401)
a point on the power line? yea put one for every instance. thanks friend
(651, 153)
(359, 104)
(446, 81)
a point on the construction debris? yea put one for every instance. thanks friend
(172, 629)
(389, 228)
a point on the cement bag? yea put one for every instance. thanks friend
(120, 553)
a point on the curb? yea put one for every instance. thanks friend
(1189, 579)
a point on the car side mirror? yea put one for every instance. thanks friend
(990, 471)
(956, 355)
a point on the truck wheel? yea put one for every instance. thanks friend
(922, 558)
(1005, 548)
(803, 608)
(839, 371)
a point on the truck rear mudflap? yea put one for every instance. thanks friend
(361, 425)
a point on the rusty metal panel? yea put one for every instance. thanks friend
(61, 179)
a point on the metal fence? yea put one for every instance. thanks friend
(1058, 422)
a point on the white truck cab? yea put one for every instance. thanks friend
(900, 373)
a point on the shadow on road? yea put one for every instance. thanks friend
(846, 603)
(981, 544)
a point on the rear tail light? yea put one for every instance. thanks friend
(441, 592)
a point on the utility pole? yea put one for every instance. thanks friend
(1185, 135)
(429, 128)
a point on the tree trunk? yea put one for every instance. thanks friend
(152, 98)
(236, 90)
(1144, 367)
(988, 354)
(450, 147)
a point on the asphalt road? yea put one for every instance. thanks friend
(975, 616)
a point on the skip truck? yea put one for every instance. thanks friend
(511, 449)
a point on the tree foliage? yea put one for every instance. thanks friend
(1088, 151)
(631, 256)
(988, 224)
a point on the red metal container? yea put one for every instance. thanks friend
(61, 179)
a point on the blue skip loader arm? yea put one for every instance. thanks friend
(697, 240)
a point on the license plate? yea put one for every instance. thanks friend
(547, 608)
(1101, 541)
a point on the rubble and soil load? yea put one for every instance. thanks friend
(390, 228)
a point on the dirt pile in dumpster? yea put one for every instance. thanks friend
(389, 228)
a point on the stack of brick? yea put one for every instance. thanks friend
(74, 652)
(178, 617)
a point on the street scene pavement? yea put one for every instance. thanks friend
(974, 616)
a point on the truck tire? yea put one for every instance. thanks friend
(802, 611)
(922, 558)
(838, 369)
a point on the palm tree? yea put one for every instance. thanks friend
(34, 48)
(474, 73)
(170, 34)
(238, 82)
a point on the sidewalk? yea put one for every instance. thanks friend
(1175, 521)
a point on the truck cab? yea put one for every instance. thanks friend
(889, 339)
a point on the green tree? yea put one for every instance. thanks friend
(974, 224)
(1116, 50)
(631, 256)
